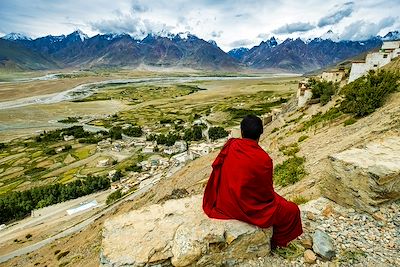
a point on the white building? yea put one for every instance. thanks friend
(335, 76)
(148, 149)
(304, 94)
(68, 137)
(376, 60)
(104, 162)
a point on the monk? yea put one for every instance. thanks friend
(240, 187)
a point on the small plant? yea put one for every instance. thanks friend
(299, 199)
(290, 171)
(28, 236)
(274, 130)
(330, 115)
(57, 251)
(62, 254)
(349, 121)
(290, 150)
(292, 251)
(302, 138)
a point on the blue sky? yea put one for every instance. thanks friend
(230, 23)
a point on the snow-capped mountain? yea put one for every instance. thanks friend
(391, 36)
(330, 35)
(13, 36)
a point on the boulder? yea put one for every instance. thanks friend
(178, 233)
(365, 177)
(323, 245)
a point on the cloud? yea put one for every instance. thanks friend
(242, 42)
(131, 24)
(263, 36)
(294, 27)
(344, 11)
(139, 8)
(362, 30)
(216, 34)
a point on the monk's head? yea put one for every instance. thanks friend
(251, 127)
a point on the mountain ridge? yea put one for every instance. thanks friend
(183, 50)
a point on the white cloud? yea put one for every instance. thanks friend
(336, 16)
(362, 30)
(294, 27)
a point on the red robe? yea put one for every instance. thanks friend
(240, 187)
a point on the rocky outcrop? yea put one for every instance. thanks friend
(178, 233)
(366, 177)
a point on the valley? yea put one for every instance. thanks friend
(35, 154)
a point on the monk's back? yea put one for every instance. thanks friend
(246, 180)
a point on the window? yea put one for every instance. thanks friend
(375, 65)
(385, 56)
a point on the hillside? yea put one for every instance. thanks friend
(316, 144)
(394, 65)
(17, 57)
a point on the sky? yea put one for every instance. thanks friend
(231, 23)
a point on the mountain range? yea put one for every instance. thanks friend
(77, 50)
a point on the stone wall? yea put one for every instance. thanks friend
(178, 233)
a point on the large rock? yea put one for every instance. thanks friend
(366, 177)
(178, 233)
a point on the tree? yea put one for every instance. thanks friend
(323, 90)
(217, 132)
(116, 133)
(114, 196)
(133, 131)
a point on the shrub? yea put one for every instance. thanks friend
(28, 236)
(349, 121)
(290, 150)
(290, 171)
(367, 93)
(114, 196)
(302, 138)
(274, 130)
(57, 251)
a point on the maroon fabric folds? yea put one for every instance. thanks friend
(240, 187)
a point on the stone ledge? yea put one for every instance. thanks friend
(366, 177)
(178, 233)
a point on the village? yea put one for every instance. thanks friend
(373, 61)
